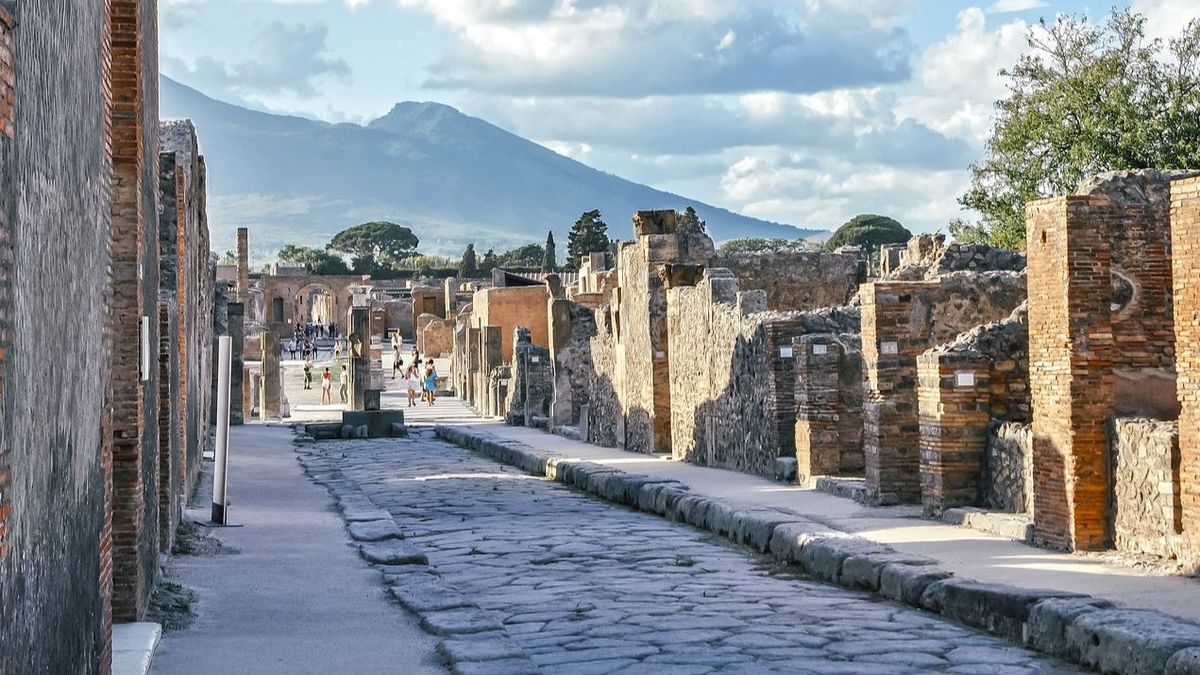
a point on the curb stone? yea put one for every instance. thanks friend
(1076, 628)
(474, 642)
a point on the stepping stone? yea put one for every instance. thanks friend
(461, 621)
(355, 514)
(375, 530)
(482, 647)
(423, 597)
(392, 552)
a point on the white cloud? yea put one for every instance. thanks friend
(1007, 6)
(1166, 18)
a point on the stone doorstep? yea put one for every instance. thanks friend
(1016, 526)
(848, 488)
(133, 646)
(1073, 627)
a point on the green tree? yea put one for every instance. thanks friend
(469, 267)
(376, 243)
(489, 262)
(529, 255)
(549, 254)
(589, 234)
(868, 230)
(229, 258)
(314, 260)
(760, 245)
(688, 221)
(1086, 98)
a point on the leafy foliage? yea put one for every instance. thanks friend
(490, 262)
(549, 254)
(589, 234)
(228, 258)
(529, 255)
(469, 267)
(759, 245)
(688, 221)
(1087, 98)
(868, 230)
(314, 260)
(375, 243)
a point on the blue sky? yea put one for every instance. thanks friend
(805, 111)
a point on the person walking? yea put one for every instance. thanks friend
(430, 382)
(291, 347)
(337, 349)
(413, 380)
(326, 387)
(344, 390)
(308, 366)
(397, 363)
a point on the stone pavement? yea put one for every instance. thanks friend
(292, 597)
(527, 575)
(963, 551)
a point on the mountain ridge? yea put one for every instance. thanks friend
(453, 178)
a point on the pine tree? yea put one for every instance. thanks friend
(689, 221)
(589, 234)
(469, 267)
(549, 262)
(489, 262)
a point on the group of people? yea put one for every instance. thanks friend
(310, 331)
(420, 378)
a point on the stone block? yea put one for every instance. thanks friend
(785, 469)
(823, 558)
(907, 583)
(1046, 627)
(864, 570)
(1138, 642)
(392, 552)
(374, 530)
(459, 621)
(996, 608)
(377, 423)
(1184, 662)
(427, 595)
(755, 528)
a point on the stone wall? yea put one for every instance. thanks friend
(508, 308)
(1008, 471)
(531, 390)
(572, 327)
(436, 339)
(795, 281)
(1147, 512)
(54, 272)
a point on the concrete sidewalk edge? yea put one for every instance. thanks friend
(133, 646)
(1076, 628)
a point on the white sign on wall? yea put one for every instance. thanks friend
(785, 352)
(964, 379)
(820, 350)
(145, 348)
(535, 359)
(889, 348)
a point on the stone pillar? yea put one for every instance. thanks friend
(450, 299)
(954, 402)
(237, 334)
(249, 391)
(473, 359)
(242, 289)
(818, 406)
(1185, 251)
(359, 324)
(268, 404)
(1070, 358)
(490, 356)
(559, 323)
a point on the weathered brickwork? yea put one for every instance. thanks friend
(795, 281)
(900, 321)
(1147, 512)
(829, 421)
(8, 81)
(1070, 354)
(1185, 249)
(242, 288)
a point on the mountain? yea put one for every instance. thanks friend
(451, 178)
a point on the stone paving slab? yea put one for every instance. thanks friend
(1118, 640)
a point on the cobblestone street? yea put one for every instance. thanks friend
(583, 586)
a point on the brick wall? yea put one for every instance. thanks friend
(1070, 355)
(828, 392)
(7, 73)
(1185, 239)
(54, 267)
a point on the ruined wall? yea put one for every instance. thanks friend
(1185, 237)
(436, 339)
(531, 390)
(1147, 511)
(572, 327)
(603, 422)
(508, 308)
(1008, 472)
(829, 397)
(795, 281)
(54, 271)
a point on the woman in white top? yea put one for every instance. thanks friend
(413, 379)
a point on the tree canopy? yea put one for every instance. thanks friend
(868, 230)
(1086, 98)
(314, 260)
(490, 262)
(378, 242)
(549, 254)
(760, 245)
(529, 255)
(589, 234)
(469, 267)
(688, 221)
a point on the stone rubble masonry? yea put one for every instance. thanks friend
(55, 217)
(270, 395)
(795, 281)
(491, 358)
(428, 300)
(572, 327)
(532, 387)
(243, 265)
(1008, 482)
(1185, 249)
(900, 321)
(1070, 356)
(962, 386)
(1146, 506)
(829, 422)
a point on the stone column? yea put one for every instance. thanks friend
(1070, 359)
(268, 405)
(473, 359)
(491, 356)
(243, 265)
(954, 402)
(359, 324)
(450, 299)
(237, 334)
(1185, 251)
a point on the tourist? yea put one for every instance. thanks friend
(413, 380)
(397, 343)
(430, 381)
(337, 349)
(344, 390)
(326, 387)
(416, 356)
(397, 362)
(291, 347)
(308, 366)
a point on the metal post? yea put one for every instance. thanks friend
(224, 357)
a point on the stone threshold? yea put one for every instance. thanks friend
(133, 646)
(1074, 627)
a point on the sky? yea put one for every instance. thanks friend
(804, 112)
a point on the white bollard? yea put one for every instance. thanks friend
(220, 466)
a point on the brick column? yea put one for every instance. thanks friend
(268, 405)
(1070, 356)
(6, 134)
(818, 406)
(237, 333)
(360, 357)
(1185, 250)
(953, 399)
(890, 347)
(241, 290)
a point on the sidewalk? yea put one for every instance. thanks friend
(965, 552)
(295, 597)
